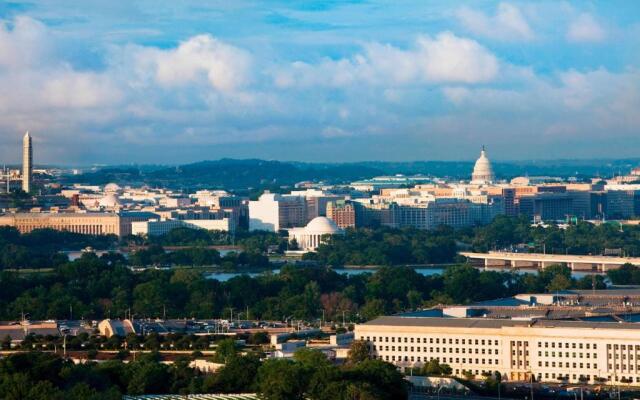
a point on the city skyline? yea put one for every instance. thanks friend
(534, 80)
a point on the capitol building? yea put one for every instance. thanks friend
(482, 171)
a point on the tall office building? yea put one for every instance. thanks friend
(27, 162)
(272, 212)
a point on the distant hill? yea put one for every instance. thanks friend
(231, 174)
(259, 174)
(510, 169)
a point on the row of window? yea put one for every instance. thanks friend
(565, 376)
(435, 349)
(621, 356)
(519, 363)
(489, 342)
(588, 346)
(561, 364)
(624, 367)
(622, 347)
(479, 361)
(567, 354)
(587, 378)
(393, 339)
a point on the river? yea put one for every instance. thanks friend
(225, 276)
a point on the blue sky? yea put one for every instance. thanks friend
(174, 82)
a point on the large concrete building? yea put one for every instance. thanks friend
(343, 213)
(273, 212)
(423, 210)
(546, 206)
(118, 224)
(162, 227)
(547, 350)
(316, 202)
(27, 162)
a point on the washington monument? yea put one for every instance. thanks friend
(27, 162)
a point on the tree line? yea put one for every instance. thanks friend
(361, 246)
(582, 238)
(387, 246)
(390, 246)
(98, 287)
(309, 375)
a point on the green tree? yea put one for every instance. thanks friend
(376, 379)
(559, 282)
(372, 308)
(237, 376)
(280, 379)
(148, 376)
(433, 367)
(226, 350)
(310, 359)
(358, 352)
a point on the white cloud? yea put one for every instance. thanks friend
(457, 94)
(23, 44)
(201, 57)
(37, 80)
(449, 58)
(71, 89)
(508, 24)
(335, 132)
(594, 104)
(204, 96)
(585, 28)
(445, 58)
(55, 99)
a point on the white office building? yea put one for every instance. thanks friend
(548, 350)
(162, 227)
(273, 212)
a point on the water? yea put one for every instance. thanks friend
(225, 276)
(75, 254)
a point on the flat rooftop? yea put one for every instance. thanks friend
(495, 323)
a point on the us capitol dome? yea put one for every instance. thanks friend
(482, 171)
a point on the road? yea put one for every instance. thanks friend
(426, 396)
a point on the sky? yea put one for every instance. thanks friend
(165, 82)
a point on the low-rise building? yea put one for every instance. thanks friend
(162, 227)
(545, 350)
(89, 223)
(110, 327)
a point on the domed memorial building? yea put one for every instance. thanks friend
(482, 171)
(112, 188)
(312, 235)
(109, 201)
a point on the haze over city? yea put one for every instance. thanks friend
(169, 82)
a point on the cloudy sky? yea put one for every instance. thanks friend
(135, 81)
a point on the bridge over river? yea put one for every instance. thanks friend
(538, 260)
